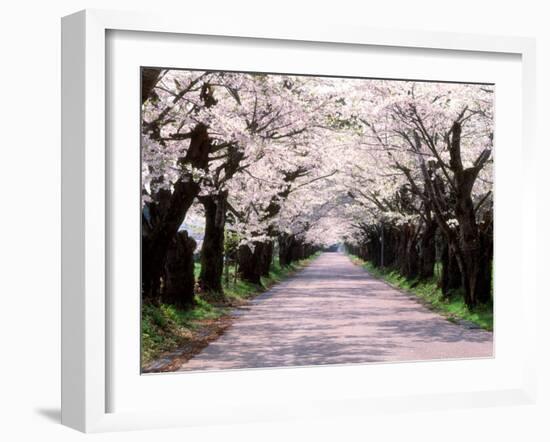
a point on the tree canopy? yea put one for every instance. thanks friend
(399, 171)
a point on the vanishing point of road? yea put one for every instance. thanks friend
(334, 312)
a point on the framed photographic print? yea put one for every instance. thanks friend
(278, 222)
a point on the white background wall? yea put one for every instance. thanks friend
(30, 219)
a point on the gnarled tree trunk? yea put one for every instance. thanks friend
(285, 244)
(179, 278)
(250, 262)
(474, 267)
(473, 256)
(451, 278)
(427, 250)
(162, 218)
(210, 278)
(158, 231)
(267, 258)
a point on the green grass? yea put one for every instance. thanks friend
(165, 328)
(453, 307)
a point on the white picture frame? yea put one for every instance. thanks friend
(85, 308)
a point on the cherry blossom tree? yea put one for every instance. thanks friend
(439, 137)
(400, 171)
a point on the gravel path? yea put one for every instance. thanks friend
(334, 312)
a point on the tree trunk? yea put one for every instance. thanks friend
(210, 279)
(474, 264)
(285, 249)
(267, 258)
(471, 256)
(427, 250)
(250, 265)
(451, 278)
(162, 218)
(486, 241)
(371, 250)
(179, 278)
(413, 258)
(297, 250)
(291, 249)
(402, 250)
(158, 232)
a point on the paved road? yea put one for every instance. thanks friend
(334, 312)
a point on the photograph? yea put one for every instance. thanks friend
(297, 220)
(275, 223)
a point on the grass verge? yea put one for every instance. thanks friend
(166, 328)
(453, 307)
